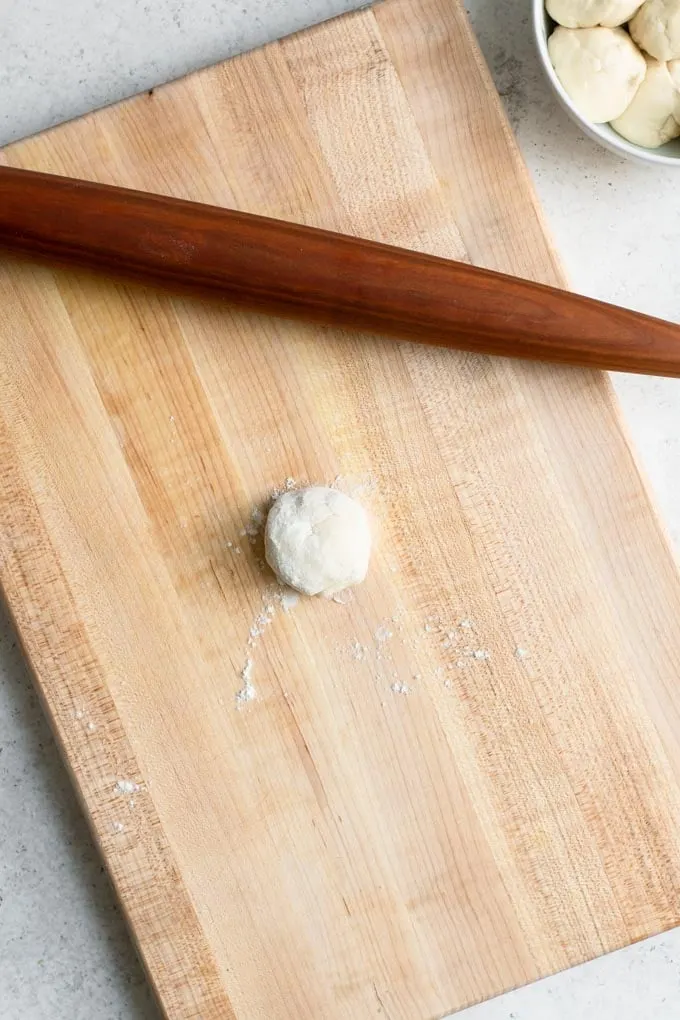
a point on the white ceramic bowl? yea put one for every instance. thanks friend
(667, 155)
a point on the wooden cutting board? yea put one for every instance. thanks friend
(465, 777)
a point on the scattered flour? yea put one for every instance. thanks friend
(247, 692)
(260, 624)
(81, 717)
(476, 653)
(521, 653)
(375, 653)
(274, 597)
(254, 525)
(357, 650)
(126, 786)
(117, 827)
(288, 486)
(289, 600)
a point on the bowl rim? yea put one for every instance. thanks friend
(614, 141)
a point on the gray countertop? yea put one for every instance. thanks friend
(64, 951)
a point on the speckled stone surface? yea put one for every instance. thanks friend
(64, 951)
(61, 58)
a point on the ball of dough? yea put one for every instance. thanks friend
(601, 69)
(656, 28)
(318, 540)
(650, 120)
(588, 13)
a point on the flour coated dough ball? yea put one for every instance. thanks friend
(674, 71)
(650, 120)
(656, 28)
(588, 13)
(318, 540)
(600, 69)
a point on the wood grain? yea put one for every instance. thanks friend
(303, 272)
(335, 848)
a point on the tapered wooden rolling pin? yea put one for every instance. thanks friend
(301, 272)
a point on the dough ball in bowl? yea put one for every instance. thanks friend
(318, 540)
(600, 69)
(656, 28)
(588, 13)
(653, 117)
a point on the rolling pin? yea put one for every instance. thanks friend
(300, 272)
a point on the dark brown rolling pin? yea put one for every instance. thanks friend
(300, 272)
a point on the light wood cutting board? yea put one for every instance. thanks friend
(336, 847)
